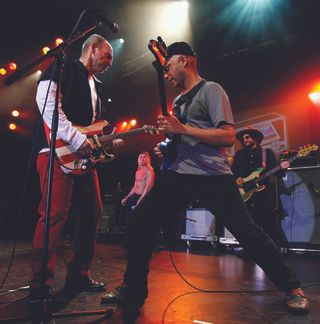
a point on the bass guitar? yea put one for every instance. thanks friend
(72, 162)
(159, 50)
(252, 182)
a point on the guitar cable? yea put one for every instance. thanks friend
(250, 291)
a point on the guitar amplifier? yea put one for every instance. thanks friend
(200, 225)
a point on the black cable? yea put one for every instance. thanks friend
(199, 290)
(216, 291)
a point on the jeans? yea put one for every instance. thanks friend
(220, 195)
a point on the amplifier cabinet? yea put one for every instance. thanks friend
(301, 203)
(200, 225)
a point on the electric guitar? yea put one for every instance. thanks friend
(252, 182)
(72, 162)
(159, 50)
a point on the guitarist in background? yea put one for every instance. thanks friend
(79, 104)
(200, 171)
(251, 157)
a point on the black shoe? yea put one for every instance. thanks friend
(125, 298)
(36, 296)
(84, 283)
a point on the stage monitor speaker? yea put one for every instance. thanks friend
(301, 203)
(200, 225)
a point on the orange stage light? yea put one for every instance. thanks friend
(3, 71)
(12, 126)
(314, 94)
(45, 50)
(315, 97)
(124, 124)
(58, 41)
(12, 66)
(15, 113)
(133, 122)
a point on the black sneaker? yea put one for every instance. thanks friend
(124, 297)
(84, 283)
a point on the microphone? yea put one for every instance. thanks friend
(113, 26)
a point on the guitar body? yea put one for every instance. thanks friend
(246, 195)
(250, 186)
(72, 162)
(168, 149)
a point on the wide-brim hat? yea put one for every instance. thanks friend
(252, 132)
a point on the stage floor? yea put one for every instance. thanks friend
(170, 299)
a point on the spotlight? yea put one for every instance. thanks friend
(3, 71)
(15, 113)
(45, 50)
(58, 41)
(124, 124)
(109, 100)
(121, 40)
(133, 122)
(12, 66)
(315, 97)
(12, 126)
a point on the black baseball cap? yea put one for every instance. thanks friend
(180, 48)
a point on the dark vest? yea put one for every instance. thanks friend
(76, 94)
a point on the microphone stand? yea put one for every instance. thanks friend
(43, 313)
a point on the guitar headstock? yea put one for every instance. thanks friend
(306, 149)
(158, 49)
(148, 129)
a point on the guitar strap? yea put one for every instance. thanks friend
(185, 98)
(264, 158)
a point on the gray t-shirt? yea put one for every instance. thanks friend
(209, 108)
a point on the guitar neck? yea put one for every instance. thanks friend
(108, 138)
(275, 169)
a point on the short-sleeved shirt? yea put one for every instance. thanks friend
(209, 108)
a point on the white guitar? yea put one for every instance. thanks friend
(72, 162)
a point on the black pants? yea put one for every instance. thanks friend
(260, 209)
(220, 195)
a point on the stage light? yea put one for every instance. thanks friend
(121, 40)
(315, 97)
(12, 126)
(45, 50)
(170, 112)
(174, 17)
(133, 122)
(124, 124)
(12, 66)
(109, 100)
(58, 41)
(3, 71)
(15, 113)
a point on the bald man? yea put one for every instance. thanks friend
(79, 104)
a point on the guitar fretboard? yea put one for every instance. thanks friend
(108, 138)
(275, 169)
